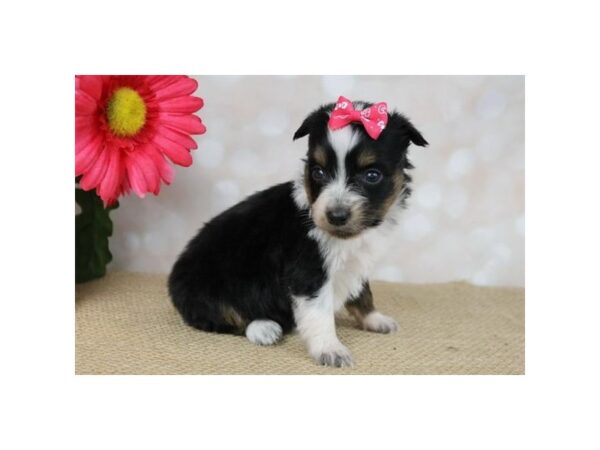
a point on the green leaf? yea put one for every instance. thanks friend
(93, 227)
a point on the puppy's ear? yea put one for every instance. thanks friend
(416, 137)
(303, 130)
(400, 124)
(309, 123)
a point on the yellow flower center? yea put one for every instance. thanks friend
(126, 112)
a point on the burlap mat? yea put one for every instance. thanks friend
(125, 324)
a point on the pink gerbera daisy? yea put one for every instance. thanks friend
(126, 125)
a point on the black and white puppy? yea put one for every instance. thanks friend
(292, 255)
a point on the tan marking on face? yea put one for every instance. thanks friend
(320, 156)
(337, 193)
(351, 229)
(365, 159)
(398, 185)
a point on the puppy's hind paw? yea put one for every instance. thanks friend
(264, 332)
(379, 323)
(338, 356)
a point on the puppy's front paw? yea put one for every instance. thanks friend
(379, 323)
(335, 356)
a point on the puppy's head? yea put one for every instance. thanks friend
(352, 181)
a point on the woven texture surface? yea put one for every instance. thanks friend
(125, 324)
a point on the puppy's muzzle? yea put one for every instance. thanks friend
(338, 215)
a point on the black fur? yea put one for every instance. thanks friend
(248, 262)
(251, 258)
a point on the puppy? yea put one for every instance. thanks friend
(292, 255)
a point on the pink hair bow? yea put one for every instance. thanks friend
(374, 118)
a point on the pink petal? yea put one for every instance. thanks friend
(164, 168)
(94, 176)
(183, 86)
(176, 153)
(158, 82)
(85, 124)
(109, 187)
(91, 84)
(87, 156)
(149, 170)
(186, 104)
(135, 175)
(84, 104)
(125, 184)
(177, 137)
(83, 137)
(186, 124)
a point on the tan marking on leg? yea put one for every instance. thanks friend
(361, 306)
(356, 313)
(232, 317)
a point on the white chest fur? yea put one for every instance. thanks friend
(349, 262)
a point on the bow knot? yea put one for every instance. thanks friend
(373, 118)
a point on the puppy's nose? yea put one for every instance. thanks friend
(338, 216)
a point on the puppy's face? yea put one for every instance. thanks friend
(351, 180)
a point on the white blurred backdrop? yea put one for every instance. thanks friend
(465, 220)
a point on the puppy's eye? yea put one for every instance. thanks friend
(318, 173)
(373, 176)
